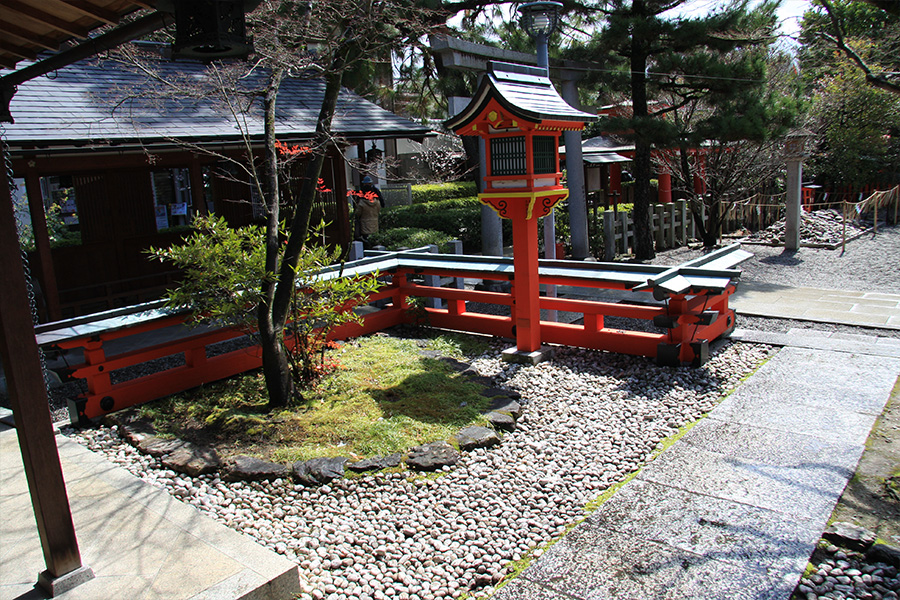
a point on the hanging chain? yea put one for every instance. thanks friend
(21, 228)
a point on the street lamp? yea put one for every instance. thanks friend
(539, 20)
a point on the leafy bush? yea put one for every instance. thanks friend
(435, 192)
(459, 218)
(223, 272)
(411, 237)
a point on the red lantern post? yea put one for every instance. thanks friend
(520, 116)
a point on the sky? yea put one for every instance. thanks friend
(790, 13)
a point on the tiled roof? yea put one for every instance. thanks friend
(527, 92)
(95, 102)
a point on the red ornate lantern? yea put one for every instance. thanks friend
(520, 116)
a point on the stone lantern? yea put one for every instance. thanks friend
(519, 114)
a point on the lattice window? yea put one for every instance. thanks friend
(544, 147)
(508, 156)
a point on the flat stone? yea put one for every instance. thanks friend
(432, 456)
(506, 406)
(499, 420)
(376, 463)
(192, 460)
(884, 553)
(456, 365)
(476, 436)
(319, 471)
(157, 446)
(132, 427)
(494, 392)
(513, 355)
(250, 468)
(848, 535)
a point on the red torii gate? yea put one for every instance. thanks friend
(519, 114)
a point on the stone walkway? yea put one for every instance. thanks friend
(735, 508)
(867, 309)
(140, 542)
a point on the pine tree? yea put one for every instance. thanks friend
(648, 54)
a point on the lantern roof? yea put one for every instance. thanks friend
(526, 92)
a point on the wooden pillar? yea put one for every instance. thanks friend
(527, 289)
(42, 244)
(28, 395)
(198, 190)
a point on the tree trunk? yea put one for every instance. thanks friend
(643, 238)
(276, 368)
(273, 311)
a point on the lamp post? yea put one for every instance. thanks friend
(539, 20)
(794, 153)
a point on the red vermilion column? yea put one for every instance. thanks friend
(665, 187)
(527, 290)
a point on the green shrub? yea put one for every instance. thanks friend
(435, 192)
(411, 237)
(459, 218)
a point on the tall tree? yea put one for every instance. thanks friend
(647, 51)
(329, 41)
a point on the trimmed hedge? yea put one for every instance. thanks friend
(443, 191)
(459, 218)
(411, 237)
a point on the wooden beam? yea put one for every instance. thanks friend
(20, 51)
(41, 17)
(10, 30)
(28, 396)
(88, 9)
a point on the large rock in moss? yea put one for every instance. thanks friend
(432, 456)
(192, 460)
(250, 468)
(318, 471)
(476, 436)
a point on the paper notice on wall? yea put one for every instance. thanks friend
(162, 218)
(178, 209)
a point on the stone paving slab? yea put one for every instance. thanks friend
(840, 342)
(734, 509)
(849, 307)
(140, 542)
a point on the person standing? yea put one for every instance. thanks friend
(368, 203)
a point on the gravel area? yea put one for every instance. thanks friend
(590, 419)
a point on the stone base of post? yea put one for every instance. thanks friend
(56, 586)
(514, 355)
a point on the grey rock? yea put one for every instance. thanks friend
(885, 554)
(506, 406)
(157, 446)
(502, 421)
(249, 468)
(849, 536)
(432, 456)
(456, 365)
(476, 436)
(192, 460)
(318, 471)
(376, 463)
(493, 392)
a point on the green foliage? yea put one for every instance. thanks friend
(459, 218)
(436, 192)
(386, 397)
(857, 124)
(410, 237)
(224, 271)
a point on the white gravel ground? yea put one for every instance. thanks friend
(590, 419)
